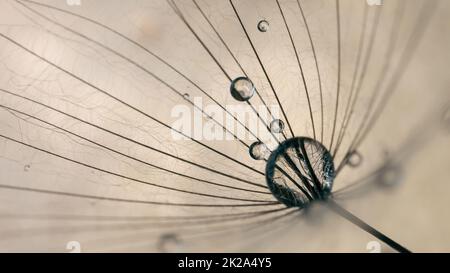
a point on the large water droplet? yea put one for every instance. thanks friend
(263, 26)
(242, 89)
(259, 151)
(276, 126)
(300, 171)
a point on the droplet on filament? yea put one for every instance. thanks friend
(300, 171)
(259, 151)
(276, 126)
(242, 89)
(263, 26)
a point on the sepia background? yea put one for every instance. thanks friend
(94, 82)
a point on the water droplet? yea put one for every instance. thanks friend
(242, 89)
(390, 175)
(276, 126)
(300, 171)
(354, 159)
(263, 26)
(26, 168)
(186, 96)
(259, 151)
(169, 243)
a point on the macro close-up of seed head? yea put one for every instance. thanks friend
(224, 126)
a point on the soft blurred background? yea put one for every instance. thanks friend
(95, 62)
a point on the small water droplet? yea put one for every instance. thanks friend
(186, 96)
(390, 175)
(27, 167)
(354, 159)
(169, 243)
(259, 151)
(263, 26)
(276, 126)
(242, 89)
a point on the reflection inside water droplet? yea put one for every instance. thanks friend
(242, 89)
